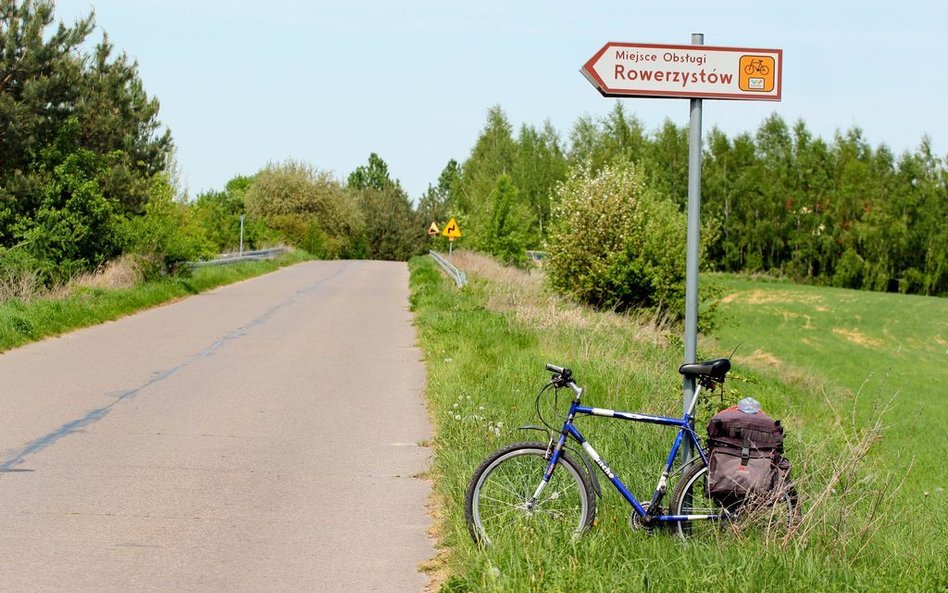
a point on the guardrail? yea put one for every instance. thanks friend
(460, 278)
(232, 258)
(536, 257)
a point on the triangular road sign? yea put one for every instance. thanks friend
(433, 230)
(451, 230)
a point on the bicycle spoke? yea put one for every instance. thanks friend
(502, 501)
(505, 512)
(555, 495)
(518, 493)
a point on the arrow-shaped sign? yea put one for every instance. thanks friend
(686, 71)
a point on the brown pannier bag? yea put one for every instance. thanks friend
(745, 456)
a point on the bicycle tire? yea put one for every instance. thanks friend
(496, 497)
(777, 513)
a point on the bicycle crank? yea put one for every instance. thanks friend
(636, 523)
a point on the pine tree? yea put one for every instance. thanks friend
(64, 112)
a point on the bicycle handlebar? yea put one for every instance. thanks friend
(563, 377)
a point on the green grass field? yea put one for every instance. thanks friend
(852, 342)
(866, 526)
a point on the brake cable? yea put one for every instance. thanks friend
(537, 405)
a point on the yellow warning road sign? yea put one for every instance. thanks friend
(433, 230)
(452, 231)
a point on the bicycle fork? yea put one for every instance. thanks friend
(552, 456)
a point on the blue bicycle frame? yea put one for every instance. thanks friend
(685, 431)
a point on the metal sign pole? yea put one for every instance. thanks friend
(694, 222)
(241, 234)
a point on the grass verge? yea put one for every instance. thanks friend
(485, 347)
(82, 305)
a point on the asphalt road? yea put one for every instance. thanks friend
(265, 436)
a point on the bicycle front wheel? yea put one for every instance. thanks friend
(498, 496)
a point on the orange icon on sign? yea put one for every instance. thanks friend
(757, 74)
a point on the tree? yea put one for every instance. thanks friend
(116, 114)
(666, 160)
(167, 234)
(78, 124)
(393, 231)
(492, 156)
(539, 166)
(439, 200)
(219, 214)
(506, 231)
(616, 137)
(74, 223)
(374, 175)
(311, 208)
(777, 200)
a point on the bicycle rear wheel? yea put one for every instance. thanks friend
(496, 503)
(773, 515)
(691, 498)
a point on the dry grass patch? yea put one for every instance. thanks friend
(763, 297)
(857, 337)
(767, 363)
(22, 285)
(124, 272)
(25, 285)
(523, 293)
(761, 359)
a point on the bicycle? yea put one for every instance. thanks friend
(757, 67)
(551, 486)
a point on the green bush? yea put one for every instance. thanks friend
(167, 235)
(219, 214)
(849, 270)
(616, 244)
(309, 207)
(72, 227)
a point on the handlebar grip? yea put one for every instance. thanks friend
(561, 375)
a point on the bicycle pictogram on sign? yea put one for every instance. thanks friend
(757, 66)
(757, 73)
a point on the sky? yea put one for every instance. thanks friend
(243, 84)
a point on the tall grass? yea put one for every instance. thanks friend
(485, 347)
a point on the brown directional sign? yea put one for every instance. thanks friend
(686, 71)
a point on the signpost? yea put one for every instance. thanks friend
(433, 230)
(692, 72)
